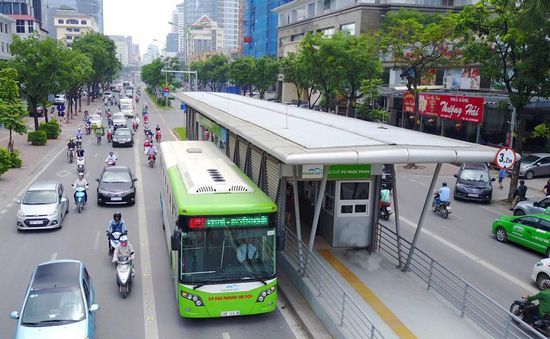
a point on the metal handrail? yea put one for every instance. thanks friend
(468, 300)
(337, 303)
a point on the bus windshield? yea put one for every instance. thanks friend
(227, 254)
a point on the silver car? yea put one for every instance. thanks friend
(119, 120)
(44, 205)
(532, 207)
(536, 164)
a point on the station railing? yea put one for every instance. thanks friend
(468, 300)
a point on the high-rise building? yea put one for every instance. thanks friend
(70, 25)
(93, 8)
(206, 38)
(179, 21)
(28, 15)
(7, 28)
(172, 44)
(260, 27)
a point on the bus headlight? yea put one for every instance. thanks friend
(265, 293)
(192, 297)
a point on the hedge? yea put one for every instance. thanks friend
(51, 128)
(38, 138)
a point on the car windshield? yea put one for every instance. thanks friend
(115, 177)
(529, 159)
(123, 132)
(474, 175)
(40, 197)
(211, 255)
(53, 306)
(126, 107)
(118, 116)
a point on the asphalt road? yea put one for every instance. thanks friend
(463, 242)
(151, 307)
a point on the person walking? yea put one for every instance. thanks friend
(519, 194)
(501, 176)
(546, 188)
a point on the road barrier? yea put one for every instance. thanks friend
(344, 312)
(468, 300)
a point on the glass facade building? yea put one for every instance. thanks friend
(260, 29)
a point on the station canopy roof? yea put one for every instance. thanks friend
(301, 136)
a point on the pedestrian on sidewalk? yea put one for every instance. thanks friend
(546, 189)
(501, 176)
(519, 194)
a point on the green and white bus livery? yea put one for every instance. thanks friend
(221, 233)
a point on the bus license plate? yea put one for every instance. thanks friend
(230, 313)
(116, 199)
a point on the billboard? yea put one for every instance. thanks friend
(462, 78)
(452, 107)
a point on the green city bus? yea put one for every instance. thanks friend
(221, 233)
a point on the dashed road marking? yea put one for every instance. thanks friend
(3, 211)
(63, 173)
(54, 256)
(96, 242)
(10, 204)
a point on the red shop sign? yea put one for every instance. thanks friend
(408, 102)
(452, 107)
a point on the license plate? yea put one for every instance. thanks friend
(230, 313)
(473, 195)
(116, 199)
(35, 222)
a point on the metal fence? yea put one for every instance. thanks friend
(468, 300)
(338, 304)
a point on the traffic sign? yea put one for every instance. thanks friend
(506, 158)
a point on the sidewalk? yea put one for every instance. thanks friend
(34, 157)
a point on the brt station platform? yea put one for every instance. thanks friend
(362, 279)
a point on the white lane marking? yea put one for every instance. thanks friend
(3, 211)
(499, 213)
(148, 292)
(290, 319)
(63, 173)
(474, 258)
(54, 256)
(96, 242)
(226, 335)
(95, 155)
(9, 205)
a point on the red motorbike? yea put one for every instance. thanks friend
(110, 135)
(158, 136)
(135, 126)
(152, 159)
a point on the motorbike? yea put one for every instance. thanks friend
(157, 136)
(80, 164)
(385, 210)
(151, 160)
(542, 325)
(112, 241)
(88, 129)
(110, 135)
(78, 142)
(70, 155)
(111, 162)
(124, 275)
(443, 208)
(135, 126)
(80, 201)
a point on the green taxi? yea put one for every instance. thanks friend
(532, 231)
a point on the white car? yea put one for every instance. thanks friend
(59, 99)
(119, 120)
(43, 206)
(541, 272)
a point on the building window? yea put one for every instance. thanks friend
(326, 5)
(2, 28)
(349, 28)
(72, 22)
(297, 37)
(311, 10)
(69, 29)
(20, 26)
(2, 47)
(60, 21)
(83, 22)
(301, 13)
(69, 37)
(76, 29)
(31, 26)
(328, 32)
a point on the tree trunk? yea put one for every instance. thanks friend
(10, 142)
(518, 149)
(33, 112)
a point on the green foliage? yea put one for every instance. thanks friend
(51, 128)
(11, 106)
(102, 52)
(151, 74)
(370, 90)
(541, 131)
(37, 138)
(181, 132)
(212, 73)
(15, 159)
(241, 73)
(266, 70)
(5, 160)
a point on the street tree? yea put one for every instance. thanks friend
(151, 74)
(37, 63)
(241, 73)
(370, 92)
(518, 59)
(266, 71)
(299, 73)
(212, 73)
(11, 107)
(76, 71)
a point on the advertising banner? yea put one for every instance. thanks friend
(408, 102)
(452, 107)
(462, 78)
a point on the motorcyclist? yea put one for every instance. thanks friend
(152, 150)
(135, 120)
(81, 182)
(145, 118)
(111, 158)
(146, 145)
(80, 152)
(71, 145)
(543, 307)
(125, 249)
(117, 224)
(78, 134)
(442, 196)
(157, 129)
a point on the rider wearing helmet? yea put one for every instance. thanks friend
(543, 308)
(443, 195)
(125, 249)
(81, 183)
(78, 134)
(117, 224)
(71, 145)
(111, 157)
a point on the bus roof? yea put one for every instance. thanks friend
(205, 182)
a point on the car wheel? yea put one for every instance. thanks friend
(501, 235)
(541, 277)
(519, 212)
(529, 175)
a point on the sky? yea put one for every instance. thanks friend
(144, 20)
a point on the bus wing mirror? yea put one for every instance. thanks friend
(175, 242)
(281, 238)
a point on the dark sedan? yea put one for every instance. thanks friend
(123, 137)
(473, 182)
(116, 186)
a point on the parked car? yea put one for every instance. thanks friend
(116, 186)
(123, 137)
(474, 182)
(59, 302)
(536, 164)
(119, 119)
(44, 205)
(531, 231)
(59, 99)
(532, 207)
(541, 272)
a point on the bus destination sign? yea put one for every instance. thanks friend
(236, 221)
